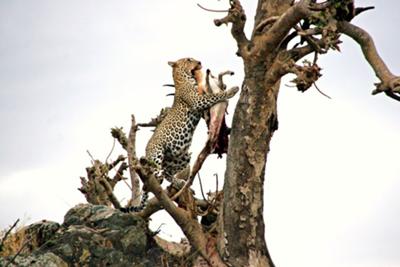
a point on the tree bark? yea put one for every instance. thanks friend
(254, 122)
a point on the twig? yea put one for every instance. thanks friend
(90, 155)
(322, 93)
(310, 40)
(216, 182)
(315, 58)
(201, 188)
(158, 229)
(128, 185)
(119, 174)
(112, 149)
(112, 165)
(7, 233)
(359, 10)
(211, 10)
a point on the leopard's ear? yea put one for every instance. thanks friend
(171, 63)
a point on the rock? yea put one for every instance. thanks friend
(91, 235)
(47, 259)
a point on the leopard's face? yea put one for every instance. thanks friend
(184, 71)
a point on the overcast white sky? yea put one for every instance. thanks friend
(71, 70)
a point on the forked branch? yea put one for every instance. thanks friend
(282, 25)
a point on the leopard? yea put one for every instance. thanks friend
(168, 147)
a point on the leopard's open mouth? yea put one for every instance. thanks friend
(197, 67)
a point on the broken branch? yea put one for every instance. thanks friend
(131, 150)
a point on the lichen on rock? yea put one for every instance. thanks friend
(91, 235)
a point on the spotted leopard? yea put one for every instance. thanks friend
(168, 148)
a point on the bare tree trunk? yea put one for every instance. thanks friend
(266, 59)
(254, 122)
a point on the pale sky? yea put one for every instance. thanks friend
(71, 70)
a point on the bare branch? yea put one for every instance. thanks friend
(129, 145)
(102, 178)
(237, 18)
(359, 10)
(112, 149)
(310, 40)
(153, 205)
(390, 83)
(216, 183)
(131, 150)
(155, 121)
(113, 164)
(201, 188)
(392, 95)
(118, 134)
(119, 174)
(320, 6)
(189, 225)
(282, 26)
(7, 233)
(90, 155)
(96, 191)
(260, 27)
(109, 192)
(211, 10)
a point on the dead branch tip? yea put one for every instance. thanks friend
(211, 10)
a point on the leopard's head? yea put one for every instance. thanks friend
(183, 70)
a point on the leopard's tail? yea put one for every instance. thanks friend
(140, 207)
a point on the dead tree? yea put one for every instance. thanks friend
(231, 232)
(271, 52)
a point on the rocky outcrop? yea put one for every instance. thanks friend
(91, 235)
